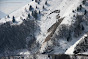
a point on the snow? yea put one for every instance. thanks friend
(2, 14)
(9, 6)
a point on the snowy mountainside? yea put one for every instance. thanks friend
(45, 26)
(2, 14)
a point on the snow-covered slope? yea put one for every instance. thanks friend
(2, 14)
(60, 24)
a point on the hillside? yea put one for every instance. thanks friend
(2, 15)
(46, 27)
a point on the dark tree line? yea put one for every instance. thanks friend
(13, 37)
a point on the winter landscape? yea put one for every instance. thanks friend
(45, 29)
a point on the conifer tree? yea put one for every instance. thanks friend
(85, 12)
(30, 8)
(8, 16)
(36, 7)
(13, 20)
(43, 7)
(39, 12)
(46, 2)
